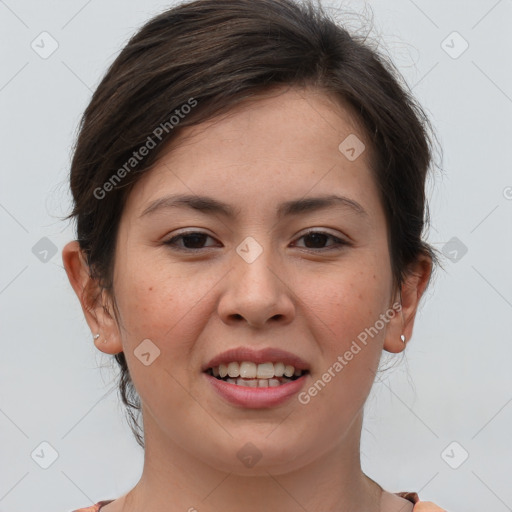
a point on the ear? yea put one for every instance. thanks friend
(415, 283)
(96, 303)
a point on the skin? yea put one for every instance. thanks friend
(297, 295)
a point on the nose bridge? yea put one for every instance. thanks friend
(256, 290)
(253, 264)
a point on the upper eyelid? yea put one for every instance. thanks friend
(308, 230)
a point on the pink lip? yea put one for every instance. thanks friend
(256, 398)
(265, 355)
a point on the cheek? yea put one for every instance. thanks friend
(169, 306)
(167, 311)
(156, 296)
(350, 356)
(346, 311)
(348, 300)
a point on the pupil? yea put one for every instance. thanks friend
(316, 236)
(195, 241)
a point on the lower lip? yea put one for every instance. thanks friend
(256, 398)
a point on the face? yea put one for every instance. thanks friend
(198, 281)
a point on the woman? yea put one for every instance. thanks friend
(248, 187)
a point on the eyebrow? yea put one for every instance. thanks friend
(207, 204)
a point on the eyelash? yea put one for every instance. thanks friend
(339, 243)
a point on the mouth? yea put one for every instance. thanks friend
(253, 375)
(255, 379)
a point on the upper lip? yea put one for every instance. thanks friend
(274, 355)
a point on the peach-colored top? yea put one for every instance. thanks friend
(409, 500)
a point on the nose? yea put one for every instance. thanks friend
(257, 292)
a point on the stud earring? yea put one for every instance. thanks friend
(402, 337)
(96, 336)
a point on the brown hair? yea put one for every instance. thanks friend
(210, 55)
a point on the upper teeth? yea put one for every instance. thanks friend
(250, 370)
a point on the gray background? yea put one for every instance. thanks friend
(454, 384)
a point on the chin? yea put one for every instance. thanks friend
(259, 455)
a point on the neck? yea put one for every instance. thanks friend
(173, 480)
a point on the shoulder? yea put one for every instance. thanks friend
(427, 506)
(94, 508)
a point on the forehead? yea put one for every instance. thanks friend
(283, 142)
(304, 114)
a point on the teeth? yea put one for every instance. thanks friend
(279, 369)
(288, 370)
(249, 383)
(223, 370)
(250, 370)
(258, 383)
(234, 370)
(265, 371)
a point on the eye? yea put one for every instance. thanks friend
(318, 238)
(192, 240)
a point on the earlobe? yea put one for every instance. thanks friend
(92, 300)
(104, 345)
(400, 327)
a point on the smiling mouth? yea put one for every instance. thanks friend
(249, 374)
